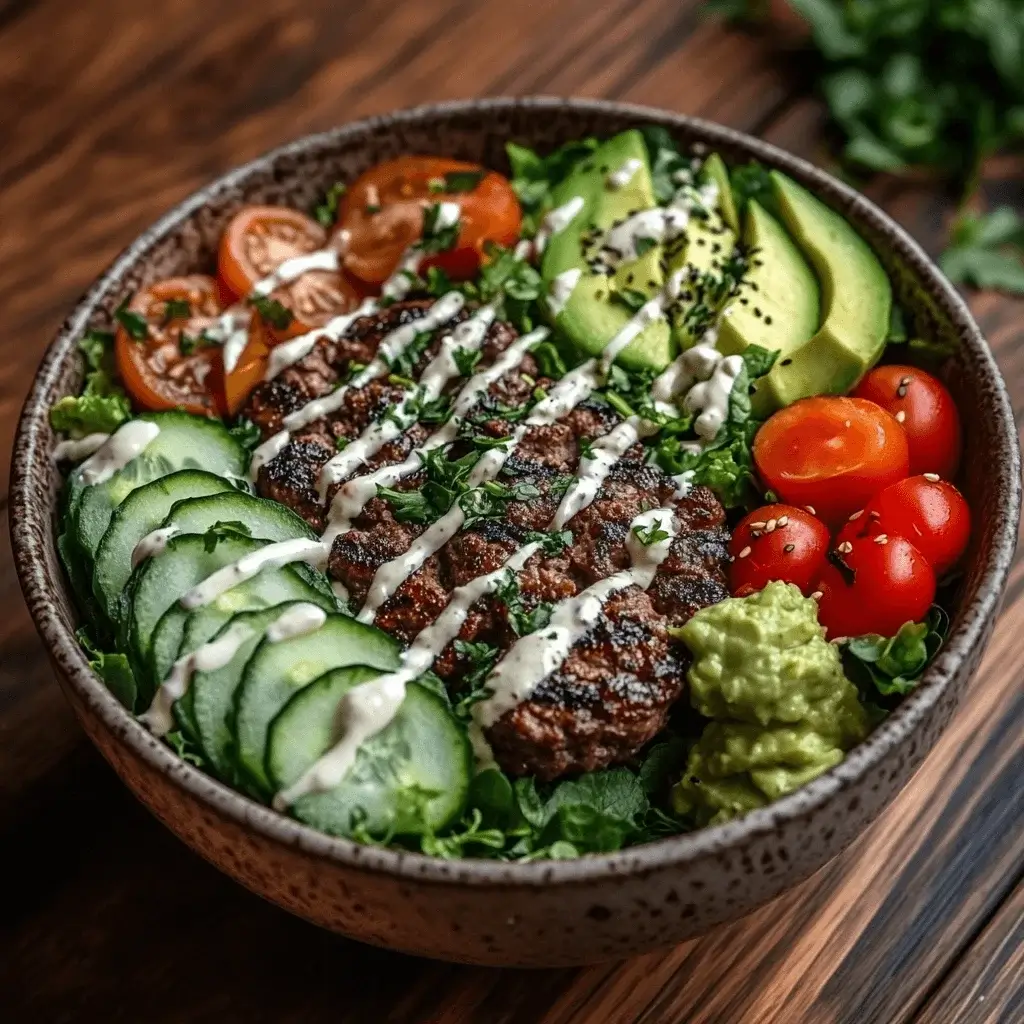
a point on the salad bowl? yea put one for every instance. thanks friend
(544, 913)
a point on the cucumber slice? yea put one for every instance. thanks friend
(178, 632)
(184, 442)
(159, 582)
(212, 694)
(412, 778)
(140, 513)
(276, 671)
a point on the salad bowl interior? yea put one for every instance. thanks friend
(546, 913)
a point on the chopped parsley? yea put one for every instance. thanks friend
(465, 360)
(480, 659)
(272, 312)
(190, 343)
(653, 534)
(404, 363)
(445, 481)
(438, 236)
(226, 530)
(522, 619)
(326, 211)
(490, 500)
(135, 324)
(552, 542)
(455, 182)
(175, 309)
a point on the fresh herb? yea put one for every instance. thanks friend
(246, 433)
(753, 182)
(987, 251)
(404, 362)
(135, 324)
(175, 309)
(272, 312)
(586, 446)
(437, 282)
(490, 500)
(408, 506)
(470, 834)
(438, 234)
(455, 182)
(653, 534)
(445, 482)
(372, 209)
(185, 748)
(113, 669)
(522, 619)
(465, 360)
(549, 360)
(326, 211)
(512, 280)
(631, 298)
(102, 405)
(419, 409)
(189, 343)
(643, 246)
(669, 168)
(479, 659)
(552, 542)
(230, 529)
(534, 176)
(341, 442)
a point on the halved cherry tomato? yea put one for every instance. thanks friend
(258, 240)
(874, 585)
(777, 542)
(926, 411)
(831, 453)
(159, 349)
(929, 512)
(382, 214)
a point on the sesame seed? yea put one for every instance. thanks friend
(788, 548)
(905, 382)
(856, 515)
(845, 548)
(847, 424)
(817, 595)
(900, 416)
(882, 538)
(811, 509)
(744, 552)
(769, 527)
(757, 526)
(783, 521)
(932, 477)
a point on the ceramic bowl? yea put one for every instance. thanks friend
(545, 913)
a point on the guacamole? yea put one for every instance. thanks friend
(781, 710)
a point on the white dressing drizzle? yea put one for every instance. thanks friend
(272, 556)
(72, 451)
(292, 269)
(556, 221)
(159, 718)
(369, 708)
(299, 620)
(534, 657)
(126, 443)
(622, 176)
(153, 544)
(649, 313)
(562, 287)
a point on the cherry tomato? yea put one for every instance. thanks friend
(830, 453)
(382, 214)
(258, 240)
(777, 542)
(929, 512)
(159, 350)
(925, 409)
(874, 585)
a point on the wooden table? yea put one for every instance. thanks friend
(114, 110)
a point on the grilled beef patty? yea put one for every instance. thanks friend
(614, 691)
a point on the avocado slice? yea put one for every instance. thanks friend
(778, 305)
(709, 242)
(580, 300)
(856, 302)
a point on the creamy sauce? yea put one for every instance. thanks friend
(556, 221)
(622, 176)
(369, 708)
(534, 657)
(159, 718)
(709, 400)
(233, 349)
(273, 556)
(562, 288)
(153, 544)
(292, 269)
(650, 312)
(299, 620)
(126, 443)
(289, 353)
(72, 451)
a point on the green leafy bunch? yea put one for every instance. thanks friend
(102, 406)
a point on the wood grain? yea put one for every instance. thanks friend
(114, 111)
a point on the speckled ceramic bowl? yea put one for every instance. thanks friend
(559, 913)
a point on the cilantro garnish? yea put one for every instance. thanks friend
(653, 534)
(455, 182)
(465, 360)
(437, 235)
(326, 211)
(175, 309)
(522, 619)
(272, 312)
(135, 324)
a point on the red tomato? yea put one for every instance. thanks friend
(383, 211)
(159, 352)
(925, 409)
(258, 240)
(928, 512)
(874, 585)
(831, 453)
(777, 542)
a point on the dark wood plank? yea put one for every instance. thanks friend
(987, 985)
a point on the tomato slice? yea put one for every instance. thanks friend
(833, 454)
(929, 512)
(383, 211)
(257, 241)
(160, 353)
(874, 585)
(777, 542)
(926, 411)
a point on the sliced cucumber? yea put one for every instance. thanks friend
(411, 778)
(184, 442)
(140, 513)
(277, 670)
(159, 582)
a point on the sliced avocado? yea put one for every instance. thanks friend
(590, 316)
(856, 302)
(778, 304)
(710, 241)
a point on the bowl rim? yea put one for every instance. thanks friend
(31, 456)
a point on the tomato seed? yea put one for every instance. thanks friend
(900, 416)
(744, 552)
(856, 515)
(757, 526)
(845, 548)
(770, 526)
(882, 538)
(783, 521)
